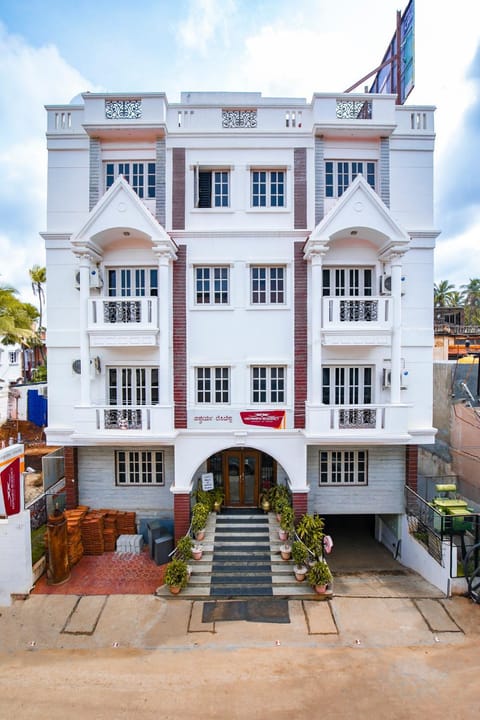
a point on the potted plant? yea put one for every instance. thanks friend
(218, 496)
(200, 513)
(319, 576)
(310, 532)
(286, 522)
(300, 557)
(286, 550)
(278, 496)
(176, 575)
(197, 551)
(183, 551)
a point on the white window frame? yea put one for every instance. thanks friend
(132, 281)
(266, 286)
(140, 467)
(212, 385)
(140, 174)
(340, 468)
(219, 191)
(268, 383)
(13, 357)
(268, 195)
(339, 175)
(212, 283)
(348, 384)
(132, 386)
(346, 281)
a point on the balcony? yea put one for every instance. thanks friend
(358, 423)
(123, 322)
(357, 320)
(131, 422)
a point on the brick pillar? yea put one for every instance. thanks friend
(181, 514)
(300, 504)
(70, 455)
(300, 369)
(411, 466)
(180, 337)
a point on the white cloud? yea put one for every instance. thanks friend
(205, 20)
(28, 76)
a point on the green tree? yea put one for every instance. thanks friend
(442, 294)
(16, 317)
(471, 301)
(38, 277)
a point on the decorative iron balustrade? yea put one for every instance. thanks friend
(123, 109)
(422, 520)
(357, 418)
(358, 310)
(122, 419)
(122, 311)
(239, 118)
(354, 109)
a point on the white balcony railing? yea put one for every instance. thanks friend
(136, 420)
(375, 420)
(357, 320)
(123, 321)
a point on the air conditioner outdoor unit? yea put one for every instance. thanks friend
(96, 280)
(386, 285)
(387, 378)
(77, 366)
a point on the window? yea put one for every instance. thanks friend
(268, 188)
(139, 467)
(347, 385)
(212, 188)
(267, 285)
(213, 385)
(343, 467)
(140, 175)
(211, 286)
(13, 357)
(132, 282)
(347, 282)
(268, 384)
(339, 175)
(133, 386)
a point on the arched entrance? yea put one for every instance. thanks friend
(244, 474)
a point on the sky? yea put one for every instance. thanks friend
(51, 51)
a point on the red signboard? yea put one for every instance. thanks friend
(10, 481)
(266, 418)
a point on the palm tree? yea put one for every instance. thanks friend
(16, 318)
(442, 294)
(38, 276)
(471, 300)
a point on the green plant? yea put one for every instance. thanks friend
(200, 513)
(183, 551)
(287, 519)
(310, 532)
(278, 496)
(176, 574)
(319, 574)
(205, 497)
(38, 543)
(299, 553)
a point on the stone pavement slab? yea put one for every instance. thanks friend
(85, 615)
(36, 622)
(320, 619)
(436, 616)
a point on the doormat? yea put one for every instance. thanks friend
(263, 611)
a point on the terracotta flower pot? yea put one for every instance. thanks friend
(321, 589)
(197, 553)
(174, 589)
(300, 573)
(200, 534)
(286, 552)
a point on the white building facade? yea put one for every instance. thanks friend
(243, 286)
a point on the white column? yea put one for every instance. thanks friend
(396, 270)
(84, 341)
(315, 293)
(164, 304)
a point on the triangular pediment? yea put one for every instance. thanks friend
(120, 212)
(360, 212)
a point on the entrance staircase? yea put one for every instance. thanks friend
(241, 559)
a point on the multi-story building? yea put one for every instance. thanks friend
(240, 285)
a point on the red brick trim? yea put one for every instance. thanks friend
(300, 371)
(70, 455)
(411, 466)
(300, 504)
(178, 188)
(181, 514)
(300, 188)
(180, 337)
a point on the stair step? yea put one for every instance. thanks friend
(241, 567)
(241, 580)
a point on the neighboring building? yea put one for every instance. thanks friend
(240, 285)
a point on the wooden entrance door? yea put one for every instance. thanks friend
(241, 474)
